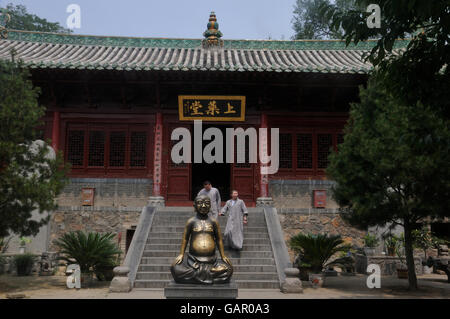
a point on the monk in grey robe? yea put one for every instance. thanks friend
(237, 216)
(214, 196)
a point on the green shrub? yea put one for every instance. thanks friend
(370, 241)
(24, 264)
(89, 250)
(316, 250)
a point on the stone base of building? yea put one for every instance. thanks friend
(191, 291)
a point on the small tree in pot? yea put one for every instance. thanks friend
(315, 252)
(92, 251)
(370, 242)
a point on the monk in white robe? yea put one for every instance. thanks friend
(237, 214)
(214, 196)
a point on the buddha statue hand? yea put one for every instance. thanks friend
(178, 260)
(226, 260)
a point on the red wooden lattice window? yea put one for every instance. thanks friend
(75, 151)
(285, 150)
(306, 153)
(324, 144)
(138, 149)
(107, 146)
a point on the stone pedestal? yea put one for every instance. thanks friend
(156, 201)
(292, 283)
(120, 282)
(191, 291)
(264, 201)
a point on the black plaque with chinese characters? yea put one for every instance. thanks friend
(211, 108)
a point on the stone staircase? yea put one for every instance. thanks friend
(254, 267)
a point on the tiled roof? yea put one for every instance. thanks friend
(49, 50)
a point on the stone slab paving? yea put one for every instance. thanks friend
(431, 286)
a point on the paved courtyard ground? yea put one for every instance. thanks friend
(35, 287)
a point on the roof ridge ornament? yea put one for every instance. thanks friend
(212, 34)
(4, 19)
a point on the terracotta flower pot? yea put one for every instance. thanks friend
(402, 273)
(316, 280)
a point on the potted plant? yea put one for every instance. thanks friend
(370, 242)
(24, 264)
(424, 239)
(23, 241)
(391, 242)
(315, 253)
(91, 251)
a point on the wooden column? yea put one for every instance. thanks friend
(55, 130)
(157, 155)
(264, 178)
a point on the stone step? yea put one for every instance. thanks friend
(168, 247)
(180, 229)
(222, 225)
(242, 284)
(236, 276)
(172, 235)
(174, 253)
(247, 241)
(246, 261)
(237, 268)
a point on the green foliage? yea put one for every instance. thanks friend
(24, 264)
(24, 241)
(316, 250)
(370, 240)
(22, 20)
(92, 251)
(424, 239)
(393, 164)
(421, 73)
(308, 22)
(29, 179)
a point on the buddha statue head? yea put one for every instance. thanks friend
(202, 205)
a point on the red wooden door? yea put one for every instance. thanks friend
(244, 177)
(178, 183)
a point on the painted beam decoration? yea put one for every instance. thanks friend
(211, 108)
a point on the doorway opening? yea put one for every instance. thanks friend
(219, 174)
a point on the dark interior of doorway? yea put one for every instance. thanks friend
(219, 174)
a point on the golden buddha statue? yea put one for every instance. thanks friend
(202, 265)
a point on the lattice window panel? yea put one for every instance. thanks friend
(247, 163)
(96, 148)
(117, 146)
(75, 148)
(138, 149)
(285, 150)
(340, 138)
(304, 151)
(324, 144)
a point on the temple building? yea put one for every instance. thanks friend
(113, 102)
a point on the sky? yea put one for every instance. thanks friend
(238, 19)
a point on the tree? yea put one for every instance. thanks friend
(308, 22)
(421, 72)
(29, 178)
(393, 166)
(22, 20)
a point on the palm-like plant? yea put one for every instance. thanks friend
(316, 250)
(89, 250)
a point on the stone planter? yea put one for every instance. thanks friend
(86, 279)
(316, 280)
(369, 251)
(22, 250)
